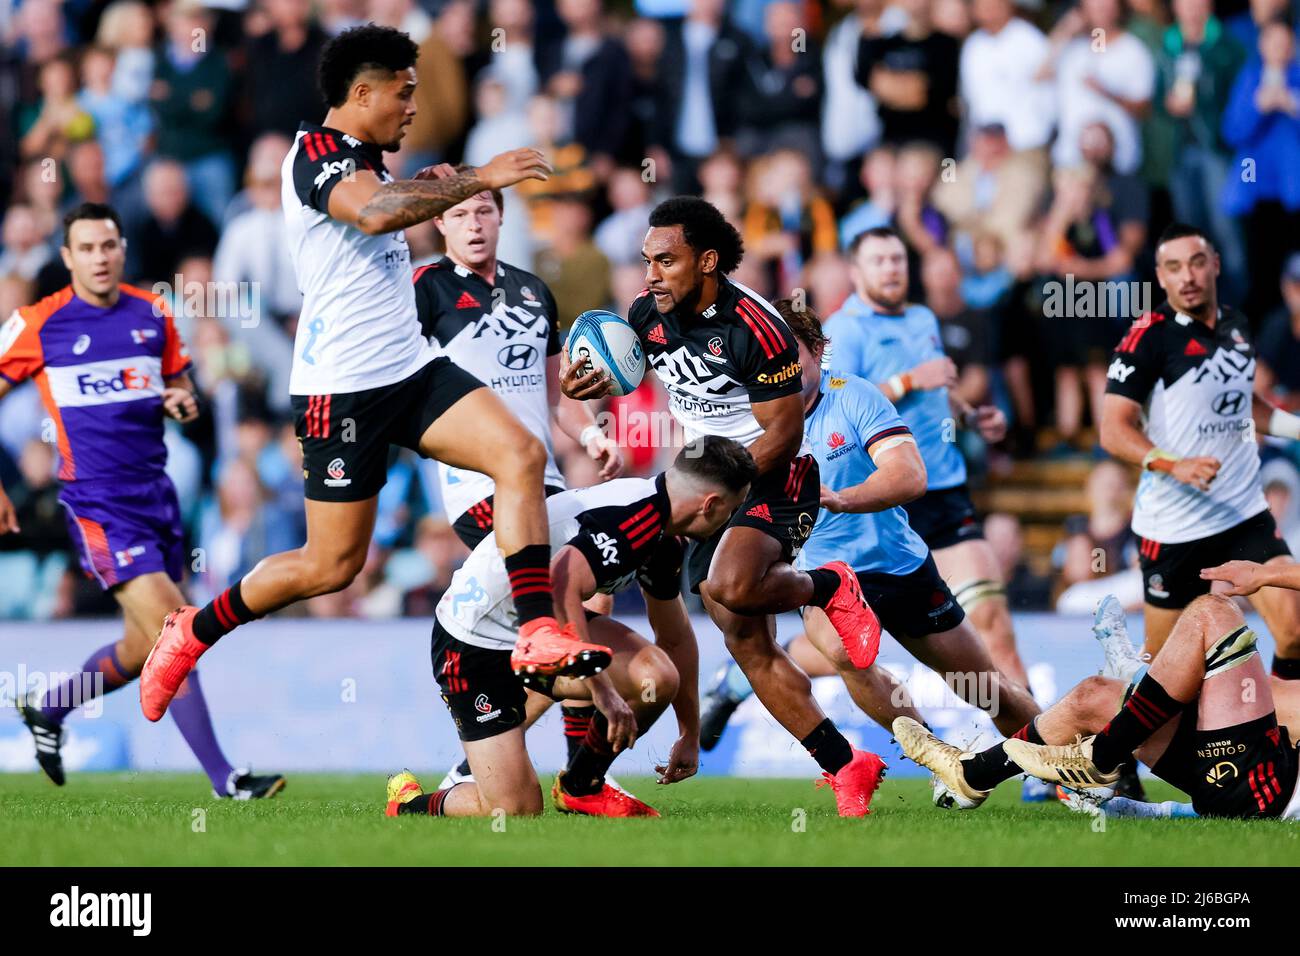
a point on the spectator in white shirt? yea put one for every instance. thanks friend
(1103, 74)
(999, 85)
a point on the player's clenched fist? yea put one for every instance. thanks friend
(1198, 472)
(506, 169)
(180, 404)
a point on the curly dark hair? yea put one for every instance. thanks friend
(721, 462)
(358, 50)
(704, 228)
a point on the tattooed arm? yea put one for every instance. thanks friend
(376, 207)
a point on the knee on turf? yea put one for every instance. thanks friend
(516, 805)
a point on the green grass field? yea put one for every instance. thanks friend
(151, 819)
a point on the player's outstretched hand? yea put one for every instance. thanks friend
(180, 404)
(513, 166)
(683, 760)
(991, 423)
(605, 452)
(436, 171)
(1197, 472)
(8, 515)
(1245, 577)
(622, 722)
(579, 385)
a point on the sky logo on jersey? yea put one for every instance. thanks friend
(1119, 371)
(334, 167)
(128, 379)
(140, 336)
(608, 548)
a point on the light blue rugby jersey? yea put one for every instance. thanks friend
(875, 346)
(850, 416)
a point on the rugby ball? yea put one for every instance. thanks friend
(601, 340)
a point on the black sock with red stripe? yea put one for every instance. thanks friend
(222, 615)
(577, 722)
(530, 582)
(825, 584)
(830, 748)
(426, 804)
(585, 774)
(1286, 668)
(988, 768)
(1148, 709)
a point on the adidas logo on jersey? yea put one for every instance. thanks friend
(760, 511)
(467, 301)
(657, 335)
(1195, 348)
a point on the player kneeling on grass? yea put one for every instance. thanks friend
(603, 538)
(1205, 716)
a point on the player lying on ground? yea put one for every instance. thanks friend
(870, 467)
(731, 369)
(110, 365)
(500, 324)
(364, 377)
(604, 537)
(1205, 716)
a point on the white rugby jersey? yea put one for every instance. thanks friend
(1196, 384)
(358, 327)
(618, 526)
(502, 334)
(717, 364)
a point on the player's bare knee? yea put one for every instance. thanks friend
(526, 463)
(1094, 698)
(655, 674)
(1216, 614)
(737, 595)
(331, 572)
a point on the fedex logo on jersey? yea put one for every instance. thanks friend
(128, 378)
(99, 383)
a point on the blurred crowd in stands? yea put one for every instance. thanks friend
(1024, 152)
